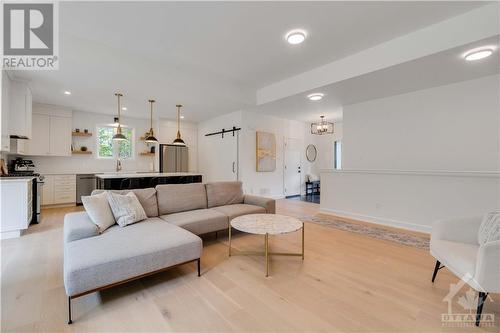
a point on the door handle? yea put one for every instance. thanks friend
(234, 164)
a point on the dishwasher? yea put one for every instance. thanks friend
(85, 184)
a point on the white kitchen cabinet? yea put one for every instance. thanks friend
(60, 136)
(4, 119)
(20, 110)
(59, 190)
(52, 134)
(48, 190)
(17, 206)
(40, 140)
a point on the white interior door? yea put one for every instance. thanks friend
(220, 158)
(292, 172)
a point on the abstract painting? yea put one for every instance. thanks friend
(266, 152)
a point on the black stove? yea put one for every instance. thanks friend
(21, 174)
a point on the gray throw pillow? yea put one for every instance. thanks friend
(126, 208)
(489, 230)
(99, 211)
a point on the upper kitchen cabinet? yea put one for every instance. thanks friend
(20, 111)
(60, 136)
(4, 119)
(52, 133)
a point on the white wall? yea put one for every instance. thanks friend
(414, 158)
(165, 131)
(453, 127)
(325, 146)
(261, 183)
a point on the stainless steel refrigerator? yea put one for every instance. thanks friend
(173, 158)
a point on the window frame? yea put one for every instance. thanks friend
(115, 147)
(337, 160)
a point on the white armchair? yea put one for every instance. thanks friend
(454, 244)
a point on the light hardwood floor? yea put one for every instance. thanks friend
(347, 283)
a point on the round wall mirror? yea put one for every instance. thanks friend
(311, 153)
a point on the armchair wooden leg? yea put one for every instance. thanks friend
(436, 269)
(199, 267)
(481, 299)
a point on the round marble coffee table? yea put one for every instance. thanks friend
(266, 224)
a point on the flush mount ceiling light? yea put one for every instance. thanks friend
(67, 92)
(119, 136)
(478, 54)
(295, 37)
(182, 117)
(322, 127)
(124, 108)
(315, 96)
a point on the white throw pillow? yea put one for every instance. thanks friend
(489, 230)
(99, 211)
(126, 208)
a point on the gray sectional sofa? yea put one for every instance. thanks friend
(177, 215)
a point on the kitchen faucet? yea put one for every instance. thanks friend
(118, 165)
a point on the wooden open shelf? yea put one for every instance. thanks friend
(79, 152)
(146, 153)
(80, 134)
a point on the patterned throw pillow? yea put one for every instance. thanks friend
(126, 208)
(489, 230)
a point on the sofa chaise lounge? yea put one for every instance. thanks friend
(177, 215)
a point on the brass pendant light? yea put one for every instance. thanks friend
(178, 141)
(119, 136)
(150, 137)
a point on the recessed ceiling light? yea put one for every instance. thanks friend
(182, 117)
(477, 54)
(295, 37)
(124, 108)
(67, 92)
(315, 96)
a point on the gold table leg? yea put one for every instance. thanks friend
(267, 255)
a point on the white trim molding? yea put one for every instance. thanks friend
(439, 173)
(378, 220)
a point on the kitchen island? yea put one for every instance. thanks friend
(123, 180)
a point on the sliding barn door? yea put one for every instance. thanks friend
(219, 158)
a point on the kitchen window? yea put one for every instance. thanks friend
(107, 148)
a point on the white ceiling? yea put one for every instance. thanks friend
(438, 69)
(210, 56)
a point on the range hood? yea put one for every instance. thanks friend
(19, 137)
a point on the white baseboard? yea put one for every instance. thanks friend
(379, 220)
